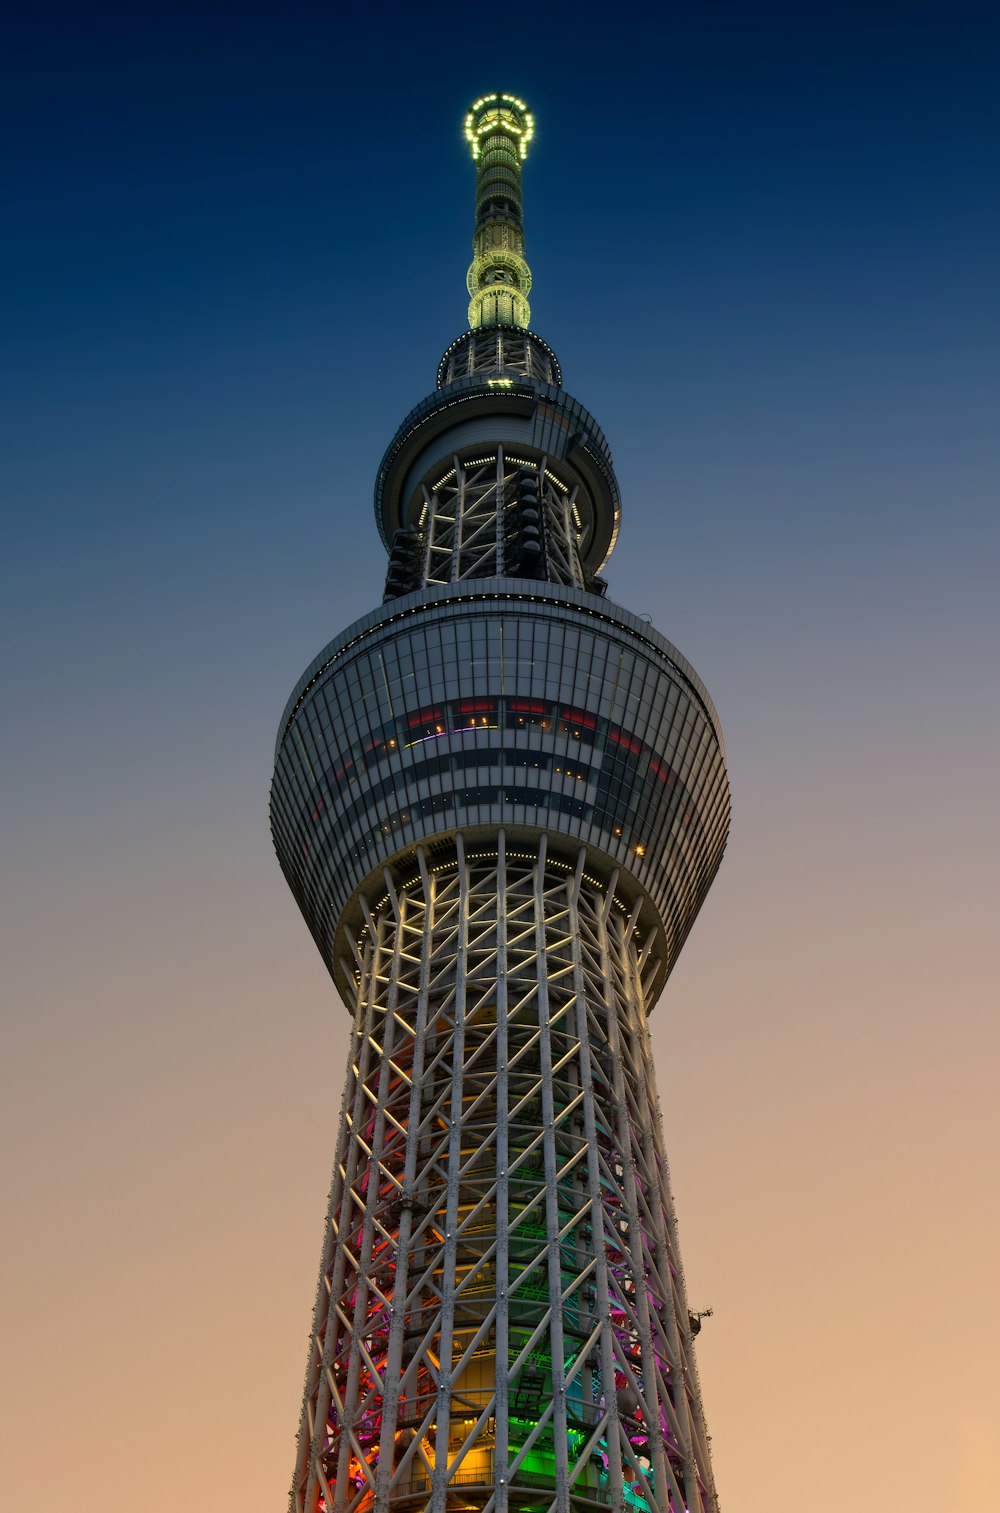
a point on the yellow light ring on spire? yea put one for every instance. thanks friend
(498, 112)
(478, 277)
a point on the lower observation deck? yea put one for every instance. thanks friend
(529, 706)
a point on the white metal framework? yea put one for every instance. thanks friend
(501, 1320)
(472, 520)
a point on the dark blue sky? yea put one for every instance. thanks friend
(236, 241)
(765, 242)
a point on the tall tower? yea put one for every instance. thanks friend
(499, 801)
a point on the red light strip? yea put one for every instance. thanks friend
(579, 717)
(628, 741)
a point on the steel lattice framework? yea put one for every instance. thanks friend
(468, 527)
(501, 1308)
(500, 801)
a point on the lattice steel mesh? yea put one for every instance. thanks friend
(501, 1318)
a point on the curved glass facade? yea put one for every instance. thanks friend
(547, 710)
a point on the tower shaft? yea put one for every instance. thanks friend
(501, 1319)
(500, 801)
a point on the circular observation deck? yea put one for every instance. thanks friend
(525, 416)
(509, 703)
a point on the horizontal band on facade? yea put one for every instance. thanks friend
(497, 592)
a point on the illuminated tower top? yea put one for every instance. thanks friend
(500, 472)
(498, 129)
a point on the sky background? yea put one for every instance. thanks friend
(765, 245)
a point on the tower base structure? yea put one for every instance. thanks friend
(501, 1319)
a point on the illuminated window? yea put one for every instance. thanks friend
(425, 725)
(578, 724)
(475, 714)
(523, 714)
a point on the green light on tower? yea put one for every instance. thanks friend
(498, 129)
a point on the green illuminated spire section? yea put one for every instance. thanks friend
(498, 129)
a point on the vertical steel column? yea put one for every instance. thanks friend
(381, 1047)
(459, 531)
(315, 1409)
(501, 1450)
(627, 1136)
(443, 1419)
(387, 1446)
(607, 1417)
(553, 1223)
(500, 564)
(697, 1465)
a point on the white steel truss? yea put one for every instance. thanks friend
(501, 1320)
(467, 520)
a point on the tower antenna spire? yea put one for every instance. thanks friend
(499, 128)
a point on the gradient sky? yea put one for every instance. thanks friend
(765, 245)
